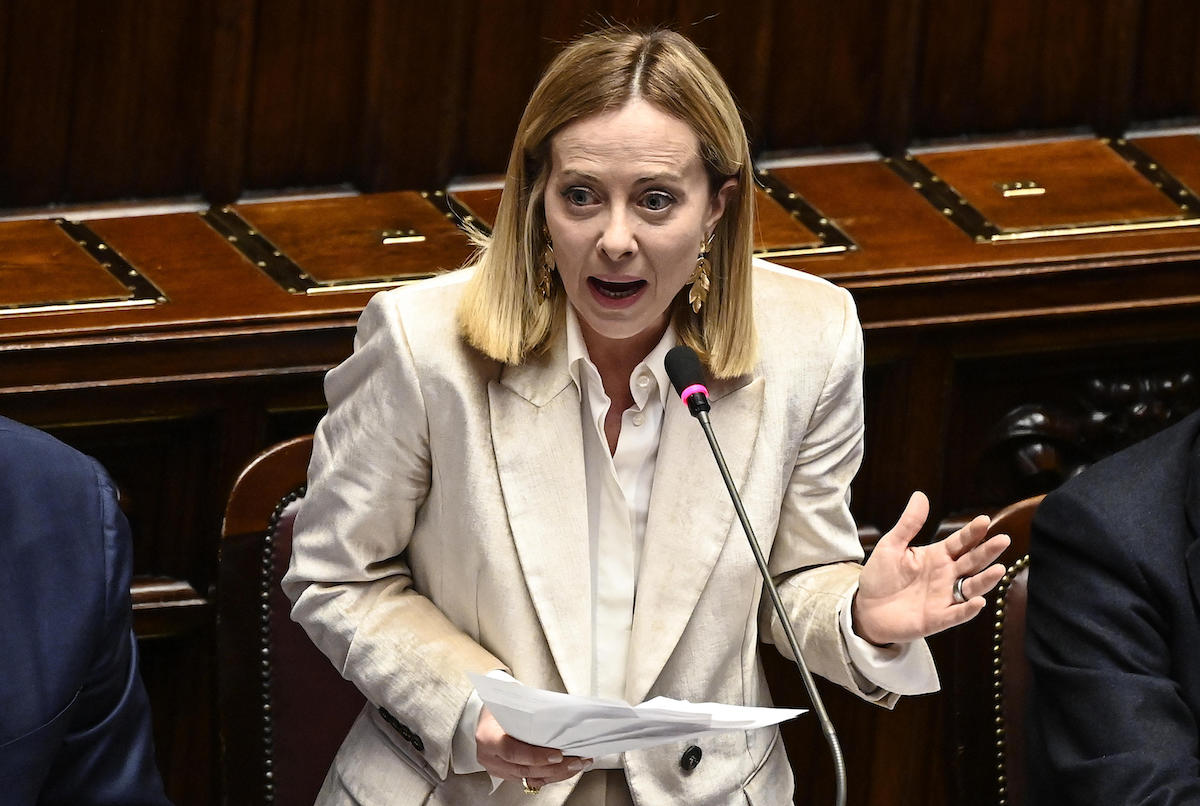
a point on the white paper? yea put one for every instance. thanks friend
(590, 727)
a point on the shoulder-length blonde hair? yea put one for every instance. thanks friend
(500, 313)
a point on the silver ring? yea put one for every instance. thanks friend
(959, 598)
(530, 790)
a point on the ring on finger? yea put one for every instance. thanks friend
(959, 596)
(530, 790)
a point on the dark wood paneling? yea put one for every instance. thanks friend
(35, 101)
(1167, 81)
(403, 117)
(138, 99)
(826, 73)
(221, 97)
(229, 99)
(306, 92)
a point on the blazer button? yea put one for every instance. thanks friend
(691, 758)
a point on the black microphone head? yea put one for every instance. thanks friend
(687, 376)
(683, 367)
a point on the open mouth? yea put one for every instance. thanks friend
(615, 290)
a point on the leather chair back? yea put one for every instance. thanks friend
(284, 709)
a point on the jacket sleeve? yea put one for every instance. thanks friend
(107, 753)
(1106, 710)
(349, 581)
(816, 557)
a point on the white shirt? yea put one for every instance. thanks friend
(618, 490)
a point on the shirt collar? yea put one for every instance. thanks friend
(578, 358)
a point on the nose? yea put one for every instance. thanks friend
(617, 239)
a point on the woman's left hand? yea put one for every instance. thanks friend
(905, 593)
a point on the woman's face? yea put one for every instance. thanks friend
(628, 204)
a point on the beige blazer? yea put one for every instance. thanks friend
(445, 531)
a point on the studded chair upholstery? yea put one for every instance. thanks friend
(283, 708)
(990, 678)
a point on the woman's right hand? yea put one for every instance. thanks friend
(505, 757)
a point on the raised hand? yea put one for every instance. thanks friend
(905, 593)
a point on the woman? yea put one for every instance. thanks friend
(504, 484)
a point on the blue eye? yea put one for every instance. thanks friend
(578, 196)
(657, 201)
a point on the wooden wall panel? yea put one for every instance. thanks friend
(217, 98)
(35, 114)
(1167, 80)
(826, 74)
(1006, 65)
(306, 95)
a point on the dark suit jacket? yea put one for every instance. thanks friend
(74, 718)
(1114, 630)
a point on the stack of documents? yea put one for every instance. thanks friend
(589, 727)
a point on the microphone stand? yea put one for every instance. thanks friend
(835, 749)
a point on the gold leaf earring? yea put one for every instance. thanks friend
(545, 282)
(701, 278)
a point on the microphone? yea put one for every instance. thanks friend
(686, 374)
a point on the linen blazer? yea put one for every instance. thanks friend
(445, 531)
(1113, 630)
(74, 718)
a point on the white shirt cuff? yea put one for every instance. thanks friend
(464, 757)
(899, 668)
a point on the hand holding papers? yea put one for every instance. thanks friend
(589, 727)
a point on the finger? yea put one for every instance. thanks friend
(981, 556)
(975, 586)
(548, 773)
(515, 751)
(959, 614)
(909, 524)
(561, 772)
(968, 537)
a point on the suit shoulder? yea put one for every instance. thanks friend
(1147, 477)
(38, 455)
(774, 284)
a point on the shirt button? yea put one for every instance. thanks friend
(639, 418)
(643, 381)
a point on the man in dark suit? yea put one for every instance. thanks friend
(1114, 630)
(74, 717)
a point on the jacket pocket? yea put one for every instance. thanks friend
(771, 782)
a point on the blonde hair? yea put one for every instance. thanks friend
(500, 312)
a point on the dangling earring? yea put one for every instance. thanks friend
(701, 277)
(545, 282)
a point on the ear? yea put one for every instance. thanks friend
(720, 200)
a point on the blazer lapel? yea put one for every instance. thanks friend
(689, 520)
(538, 440)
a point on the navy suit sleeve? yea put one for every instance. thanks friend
(107, 753)
(1108, 720)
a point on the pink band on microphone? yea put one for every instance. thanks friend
(695, 388)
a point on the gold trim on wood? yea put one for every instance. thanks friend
(968, 218)
(288, 274)
(142, 292)
(455, 210)
(1162, 179)
(833, 239)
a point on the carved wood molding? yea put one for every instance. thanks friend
(1038, 446)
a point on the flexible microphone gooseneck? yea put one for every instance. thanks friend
(683, 368)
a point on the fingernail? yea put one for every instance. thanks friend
(555, 758)
(575, 766)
